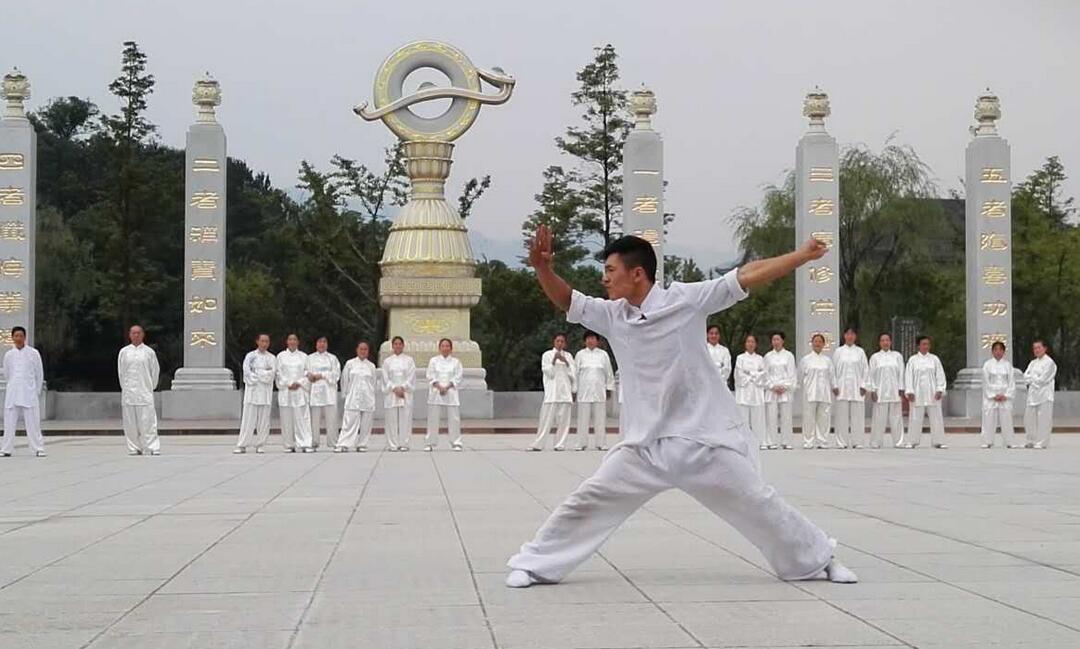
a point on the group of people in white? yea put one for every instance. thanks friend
(835, 389)
(588, 375)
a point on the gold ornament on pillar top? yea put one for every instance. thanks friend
(816, 107)
(16, 90)
(987, 112)
(429, 239)
(643, 107)
(206, 95)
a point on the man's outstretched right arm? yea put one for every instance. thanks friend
(540, 258)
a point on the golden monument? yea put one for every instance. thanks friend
(428, 265)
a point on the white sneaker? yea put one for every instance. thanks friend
(155, 453)
(429, 448)
(239, 450)
(582, 448)
(6, 454)
(986, 446)
(856, 446)
(519, 579)
(838, 573)
(40, 454)
(601, 448)
(306, 449)
(457, 447)
(762, 447)
(787, 447)
(558, 448)
(340, 449)
(1038, 445)
(808, 445)
(533, 448)
(361, 449)
(290, 449)
(941, 446)
(1016, 446)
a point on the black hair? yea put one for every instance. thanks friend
(998, 343)
(884, 333)
(363, 342)
(853, 329)
(711, 327)
(318, 338)
(397, 338)
(446, 340)
(816, 336)
(16, 329)
(778, 333)
(748, 337)
(919, 339)
(590, 334)
(634, 252)
(559, 333)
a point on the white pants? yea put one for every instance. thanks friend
(295, 426)
(754, 416)
(140, 428)
(328, 417)
(397, 424)
(992, 418)
(937, 424)
(1038, 422)
(723, 480)
(778, 429)
(553, 413)
(815, 422)
(887, 413)
(31, 419)
(591, 414)
(254, 423)
(356, 429)
(849, 420)
(453, 424)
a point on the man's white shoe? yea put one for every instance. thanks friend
(155, 452)
(838, 573)
(259, 449)
(239, 450)
(39, 454)
(986, 446)
(429, 448)
(134, 452)
(519, 579)
(458, 447)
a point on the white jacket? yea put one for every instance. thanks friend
(852, 368)
(25, 377)
(924, 377)
(292, 368)
(780, 371)
(998, 378)
(750, 380)
(594, 375)
(559, 378)
(359, 380)
(817, 375)
(259, 371)
(324, 391)
(886, 376)
(721, 357)
(138, 369)
(447, 371)
(398, 371)
(1040, 375)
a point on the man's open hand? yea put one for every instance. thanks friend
(540, 247)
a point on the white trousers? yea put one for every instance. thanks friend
(849, 421)
(31, 419)
(295, 426)
(1038, 422)
(356, 429)
(754, 416)
(254, 425)
(553, 413)
(397, 423)
(778, 428)
(937, 424)
(887, 413)
(140, 428)
(815, 422)
(453, 424)
(992, 419)
(591, 415)
(723, 480)
(328, 417)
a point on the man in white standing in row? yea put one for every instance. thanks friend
(138, 369)
(720, 355)
(999, 388)
(25, 376)
(292, 384)
(595, 379)
(259, 366)
(924, 381)
(557, 366)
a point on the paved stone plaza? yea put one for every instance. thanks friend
(202, 548)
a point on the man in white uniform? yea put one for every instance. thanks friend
(560, 373)
(595, 379)
(323, 374)
(720, 355)
(849, 407)
(358, 383)
(924, 381)
(681, 428)
(138, 369)
(444, 375)
(259, 367)
(292, 384)
(25, 377)
(398, 381)
(999, 388)
(1039, 414)
(886, 385)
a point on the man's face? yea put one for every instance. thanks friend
(398, 346)
(998, 351)
(924, 346)
(817, 343)
(1038, 349)
(560, 342)
(136, 335)
(620, 281)
(292, 342)
(591, 342)
(445, 348)
(263, 342)
(713, 336)
(19, 338)
(321, 345)
(362, 351)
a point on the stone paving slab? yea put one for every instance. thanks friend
(200, 548)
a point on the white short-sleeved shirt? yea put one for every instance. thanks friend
(668, 379)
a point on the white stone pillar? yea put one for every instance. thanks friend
(643, 178)
(817, 214)
(18, 209)
(987, 252)
(204, 370)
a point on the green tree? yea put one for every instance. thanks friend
(560, 209)
(1043, 188)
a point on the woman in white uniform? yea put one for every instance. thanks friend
(1039, 414)
(292, 386)
(781, 377)
(560, 377)
(359, 381)
(817, 374)
(999, 388)
(398, 382)
(444, 375)
(886, 385)
(323, 374)
(595, 380)
(719, 354)
(924, 381)
(849, 409)
(750, 388)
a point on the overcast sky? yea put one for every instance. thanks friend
(729, 78)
